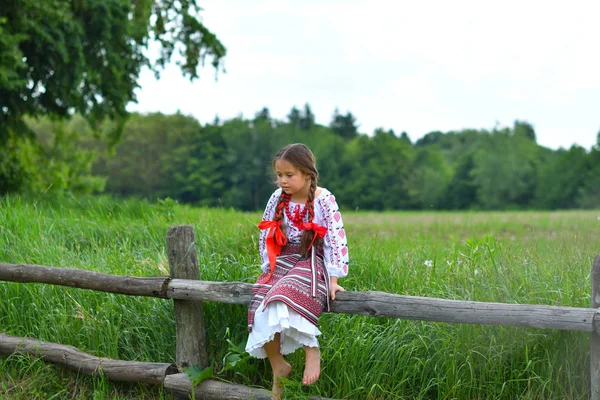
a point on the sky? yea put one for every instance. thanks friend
(413, 66)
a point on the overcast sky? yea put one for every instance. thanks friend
(414, 66)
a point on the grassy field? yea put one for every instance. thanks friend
(509, 257)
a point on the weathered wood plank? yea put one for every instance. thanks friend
(180, 385)
(594, 338)
(222, 292)
(377, 304)
(73, 358)
(189, 316)
(153, 286)
(380, 304)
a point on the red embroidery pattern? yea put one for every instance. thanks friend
(298, 217)
(290, 284)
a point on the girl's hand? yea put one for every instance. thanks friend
(334, 287)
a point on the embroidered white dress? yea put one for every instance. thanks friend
(295, 330)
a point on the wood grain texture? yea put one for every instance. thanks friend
(379, 304)
(376, 304)
(27, 273)
(189, 315)
(180, 385)
(222, 292)
(73, 358)
(594, 337)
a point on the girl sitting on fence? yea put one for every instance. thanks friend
(304, 251)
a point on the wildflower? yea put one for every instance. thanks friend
(428, 263)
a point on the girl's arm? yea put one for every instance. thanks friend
(335, 243)
(334, 287)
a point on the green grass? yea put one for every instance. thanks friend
(509, 257)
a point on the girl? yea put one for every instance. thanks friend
(304, 251)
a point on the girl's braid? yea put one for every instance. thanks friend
(311, 198)
(307, 236)
(279, 208)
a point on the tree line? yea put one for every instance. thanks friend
(228, 163)
(68, 69)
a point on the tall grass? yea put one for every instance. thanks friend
(510, 257)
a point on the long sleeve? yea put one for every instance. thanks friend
(335, 242)
(269, 214)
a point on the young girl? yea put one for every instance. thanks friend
(304, 251)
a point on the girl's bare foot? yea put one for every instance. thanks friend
(280, 371)
(312, 369)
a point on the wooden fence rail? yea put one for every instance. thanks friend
(375, 304)
(128, 371)
(189, 293)
(70, 357)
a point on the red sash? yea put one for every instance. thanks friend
(276, 240)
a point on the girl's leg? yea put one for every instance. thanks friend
(312, 369)
(280, 367)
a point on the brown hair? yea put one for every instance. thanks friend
(300, 156)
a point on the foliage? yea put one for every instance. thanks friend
(235, 358)
(344, 125)
(505, 170)
(156, 152)
(461, 191)
(428, 181)
(16, 164)
(589, 192)
(377, 169)
(57, 56)
(562, 178)
(228, 164)
(53, 160)
(60, 57)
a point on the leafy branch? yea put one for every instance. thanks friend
(235, 357)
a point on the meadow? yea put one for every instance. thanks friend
(510, 257)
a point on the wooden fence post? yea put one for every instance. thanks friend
(189, 317)
(595, 338)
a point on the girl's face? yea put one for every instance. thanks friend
(291, 179)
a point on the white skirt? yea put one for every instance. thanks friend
(294, 330)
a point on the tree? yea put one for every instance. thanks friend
(153, 149)
(56, 159)
(462, 192)
(195, 166)
(375, 170)
(561, 179)
(307, 120)
(506, 170)
(428, 180)
(247, 157)
(589, 193)
(429, 139)
(294, 117)
(404, 136)
(524, 129)
(263, 116)
(58, 57)
(344, 125)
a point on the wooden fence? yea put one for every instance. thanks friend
(188, 293)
